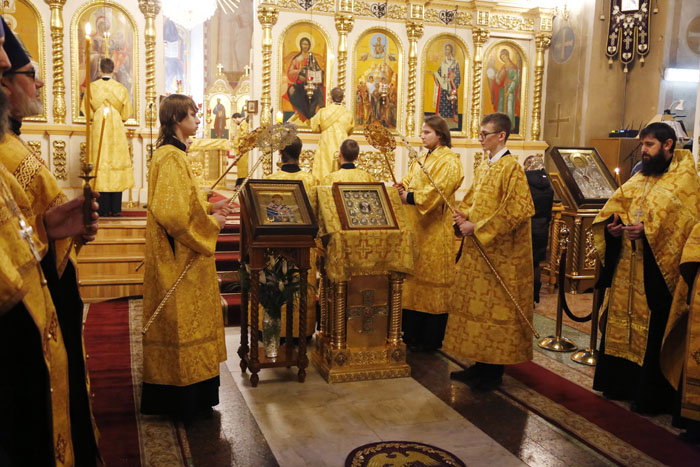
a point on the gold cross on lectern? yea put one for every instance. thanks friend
(220, 68)
(367, 311)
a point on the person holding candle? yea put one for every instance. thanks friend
(110, 107)
(45, 414)
(335, 122)
(639, 236)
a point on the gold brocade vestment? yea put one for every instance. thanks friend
(310, 186)
(428, 289)
(114, 172)
(39, 185)
(335, 123)
(347, 175)
(681, 348)
(669, 206)
(185, 344)
(21, 279)
(242, 165)
(484, 325)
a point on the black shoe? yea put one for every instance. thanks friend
(690, 436)
(486, 384)
(467, 375)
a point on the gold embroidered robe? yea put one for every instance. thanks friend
(185, 344)
(335, 123)
(680, 354)
(242, 165)
(22, 281)
(348, 175)
(671, 207)
(310, 186)
(114, 172)
(484, 325)
(39, 185)
(428, 289)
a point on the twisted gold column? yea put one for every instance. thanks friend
(480, 36)
(150, 9)
(414, 30)
(542, 41)
(267, 15)
(344, 23)
(59, 89)
(395, 284)
(339, 307)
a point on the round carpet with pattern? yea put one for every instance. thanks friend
(400, 454)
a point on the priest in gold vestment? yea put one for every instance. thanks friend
(335, 123)
(290, 170)
(184, 345)
(639, 235)
(680, 352)
(58, 263)
(484, 325)
(348, 172)
(110, 102)
(426, 292)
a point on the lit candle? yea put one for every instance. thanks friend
(279, 117)
(99, 146)
(86, 97)
(619, 182)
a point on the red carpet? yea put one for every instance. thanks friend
(108, 345)
(629, 427)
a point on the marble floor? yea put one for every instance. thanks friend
(283, 422)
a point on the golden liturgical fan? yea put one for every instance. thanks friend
(557, 343)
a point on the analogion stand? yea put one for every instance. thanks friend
(262, 236)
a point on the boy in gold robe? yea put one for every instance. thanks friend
(349, 151)
(184, 345)
(484, 325)
(426, 292)
(290, 170)
(110, 102)
(335, 124)
(639, 236)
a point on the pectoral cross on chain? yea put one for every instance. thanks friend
(26, 231)
(638, 215)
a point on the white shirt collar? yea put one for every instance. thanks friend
(498, 155)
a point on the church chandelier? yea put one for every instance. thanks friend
(189, 14)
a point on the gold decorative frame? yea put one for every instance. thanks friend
(329, 50)
(523, 86)
(400, 117)
(221, 89)
(40, 59)
(74, 51)
(466, 79)
(351, 197)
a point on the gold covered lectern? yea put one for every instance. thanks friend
(368, 252)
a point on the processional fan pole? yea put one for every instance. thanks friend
(477, 244)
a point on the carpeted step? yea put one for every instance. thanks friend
(231, 227)
(227, 260)
(231, 306)
(226, 282)
(228, 242)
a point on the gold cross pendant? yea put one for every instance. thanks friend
(26, 231)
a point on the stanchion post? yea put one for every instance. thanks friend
(589, 355)
(557, 343)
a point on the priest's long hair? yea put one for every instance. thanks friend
(173, 109)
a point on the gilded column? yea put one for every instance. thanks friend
(542, 41)
(339, 336)
(480, 36)
(267, 15)
(344, 23)
(150, 9)
(59, 88)
(394, 331)
(414, 30)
